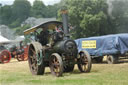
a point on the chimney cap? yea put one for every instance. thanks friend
(64, 10)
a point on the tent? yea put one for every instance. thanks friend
(20, 38)
(3, 39)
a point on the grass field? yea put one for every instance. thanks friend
(17, 73)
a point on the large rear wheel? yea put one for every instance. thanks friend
(36, 69)
(84, 63)
(56, 65)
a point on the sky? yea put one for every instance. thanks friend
(46, 2)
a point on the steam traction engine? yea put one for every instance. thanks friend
(20, 52)
(52, 47)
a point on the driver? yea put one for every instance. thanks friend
(59, 33)
(43, 36)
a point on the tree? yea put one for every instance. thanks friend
(89, 17)
(120, 16)
(38, 9)
(19, 30)
(0, 5)
(52, 10)
(5, 14)
(20, 11)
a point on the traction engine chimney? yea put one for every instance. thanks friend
(64, 14)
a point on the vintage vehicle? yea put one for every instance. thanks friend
(113, 46)
(51, 46)
(19, 51)
(5, 55)
(8, 51)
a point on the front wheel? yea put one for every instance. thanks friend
(56, 65)
(84, 63)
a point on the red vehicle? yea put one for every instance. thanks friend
(19, 52)
(5, 56)
(22, 55)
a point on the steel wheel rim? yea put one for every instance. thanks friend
(55, 66)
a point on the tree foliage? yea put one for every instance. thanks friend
(20, 10)
(5, 14)
(13, 15)
(89, 17)
(120, 16)
(52, 10)
(38, 9)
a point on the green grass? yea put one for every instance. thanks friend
(17, 73)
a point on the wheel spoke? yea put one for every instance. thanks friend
(84, 67)
(34, 66)
(57, 71)
(85, 61)
(54, 60)
(32, 51)
(33, 60)
(5, 57)
(31, 56)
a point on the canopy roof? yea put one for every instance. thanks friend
(44, 25)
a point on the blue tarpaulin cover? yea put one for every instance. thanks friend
(104, 45)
